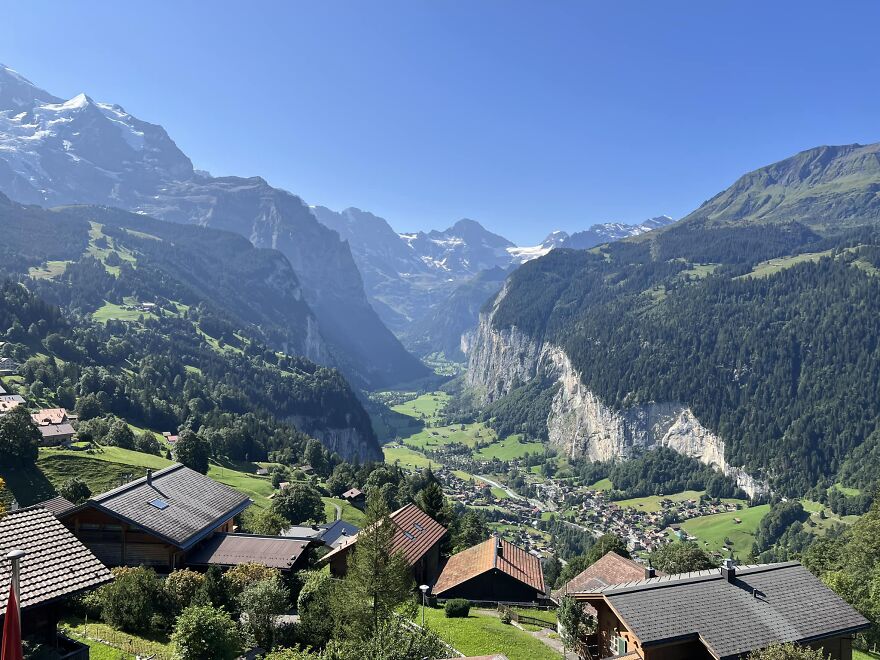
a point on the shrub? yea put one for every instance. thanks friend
(181, 588)
(457, 608)
(315, 609)
(262, 602)
(131, 600)
(239, 578)
(75, 490)
(787, 652)
(204, 632)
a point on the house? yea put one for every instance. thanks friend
(355, 497)
(51, 416)
(416, 535)
(8, 366)
(225, 550)
(262, 472)
(492, 571)
(610, 569)
(9, 401)
(56, 566)
(330, 535)
(157, 519)
(56, 434)
(721, 613)
(57, 505)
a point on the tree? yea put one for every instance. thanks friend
(120, 435)
(787, 652)
(315, 608)
(300, 503)
(470, 530)
(378, 581)
(214, 590)
(2, 488)
(552, 568)
(260, 603)
(239, 578)
(75, 490)
(681, 557)
(132, 599)
(430, 500)
(392, 640)
(341, 480)
(192, 451)
(19, 437)
(573, 621)
(204, 633)
(181, 588)
(607, 543)
(263, 522)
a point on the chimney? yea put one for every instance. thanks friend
(650, 572)
(499, 549)
(149, 477)
(728, 570)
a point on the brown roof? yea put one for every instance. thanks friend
(353, 492)
(415, 532)
(57, 505)
(609, 569)
(513, 560)
(49, 431)
(10, 401)
(234, 549)
(49, 416)
(56, 564)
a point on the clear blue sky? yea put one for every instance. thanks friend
(527, 116)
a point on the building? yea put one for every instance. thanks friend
(225, 550)
(155, 520)
(355, 497)
(56, 434)
(492, 571)
(330, 535)
(57, 505)
(416, 535)
(8, 366)
(10, 401)
(721, 613)
(56, 566)
(52, 416)
(610, 569)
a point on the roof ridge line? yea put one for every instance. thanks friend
(137, 482)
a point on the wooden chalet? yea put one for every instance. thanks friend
(608, 570)
(416, 535)
(10, 401)
(720, 614)
(492, 571)
(55, 566)
(226, 550)
(156, 520)
(355, 497)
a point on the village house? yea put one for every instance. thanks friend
(228, 549)
(720, 614)
(8, 366)
(10, 401)
(55, 566)
(609, 569)
(416, 535)
(492, 571)
(155, 520)
(355, 497)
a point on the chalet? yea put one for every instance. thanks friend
(720, 614)
(10, 401)
(355, 497)
(57, 505)
(156, 520)
(330, 535)
(55, 566)
(225, 550)
(416, 535)
(492, 571)
(610, 569)
(262, 472)
(8, 367)
(56, 434)
(52, 417)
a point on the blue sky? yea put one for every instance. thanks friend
(526, 116)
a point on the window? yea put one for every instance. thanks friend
(159, 504)
(418, 527)
(409, 536)
(618, 645)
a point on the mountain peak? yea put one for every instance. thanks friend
(18, 91)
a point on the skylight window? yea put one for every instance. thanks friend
(409, 536)
(159, 504)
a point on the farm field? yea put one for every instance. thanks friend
(484, 634)
(408, 458)
(712, 530)
(349, 513)
(510, 448)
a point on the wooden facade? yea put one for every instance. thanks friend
(118, 543)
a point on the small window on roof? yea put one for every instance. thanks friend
(418, 527)
(159, 504)
(409, 536)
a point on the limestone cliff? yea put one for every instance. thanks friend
(579, 423)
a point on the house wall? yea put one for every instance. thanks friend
(493, 586)
(838, 648)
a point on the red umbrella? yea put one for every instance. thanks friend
(11, 649)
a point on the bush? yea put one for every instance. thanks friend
(132, 599)
(457, 608)
(314, 607)
(181, 588)
(238, 578)
(203, 632)
(262, 602)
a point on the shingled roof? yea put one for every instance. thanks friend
(56, 565)
(415, 532)
(512, 560)
(757, 606)
(608, 570)
(234, 549)
(176, 504)
(57, 505)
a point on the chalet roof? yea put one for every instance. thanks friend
(483, 557)
(176, 504)
(49, 431)
(56, 564)
(10, 401)
(338, 532)
(352, 492)
(57, 505)
(234, 549)
(758, 606)
(303, 532)
(415, 533)
(610, 569)
(49, 416)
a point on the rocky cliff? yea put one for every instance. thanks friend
(580, 424)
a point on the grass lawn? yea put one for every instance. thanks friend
(111, 311)
(349, 513)
(50, 271)
(510, 448)
(114, 639)
(712, 530)
(864, 655)
(652, 502)
(409, 458)
(602, 484)
(480, 634)
(426, 407)
(436, 436)
(773, 266)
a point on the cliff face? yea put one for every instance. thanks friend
(579, 423)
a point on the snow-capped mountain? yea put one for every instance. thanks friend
(613, 231)
(523, 254)
(80, 151)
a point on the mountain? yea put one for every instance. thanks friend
(159, 309)
(429, 286)
(746, 335)
(55, 152)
